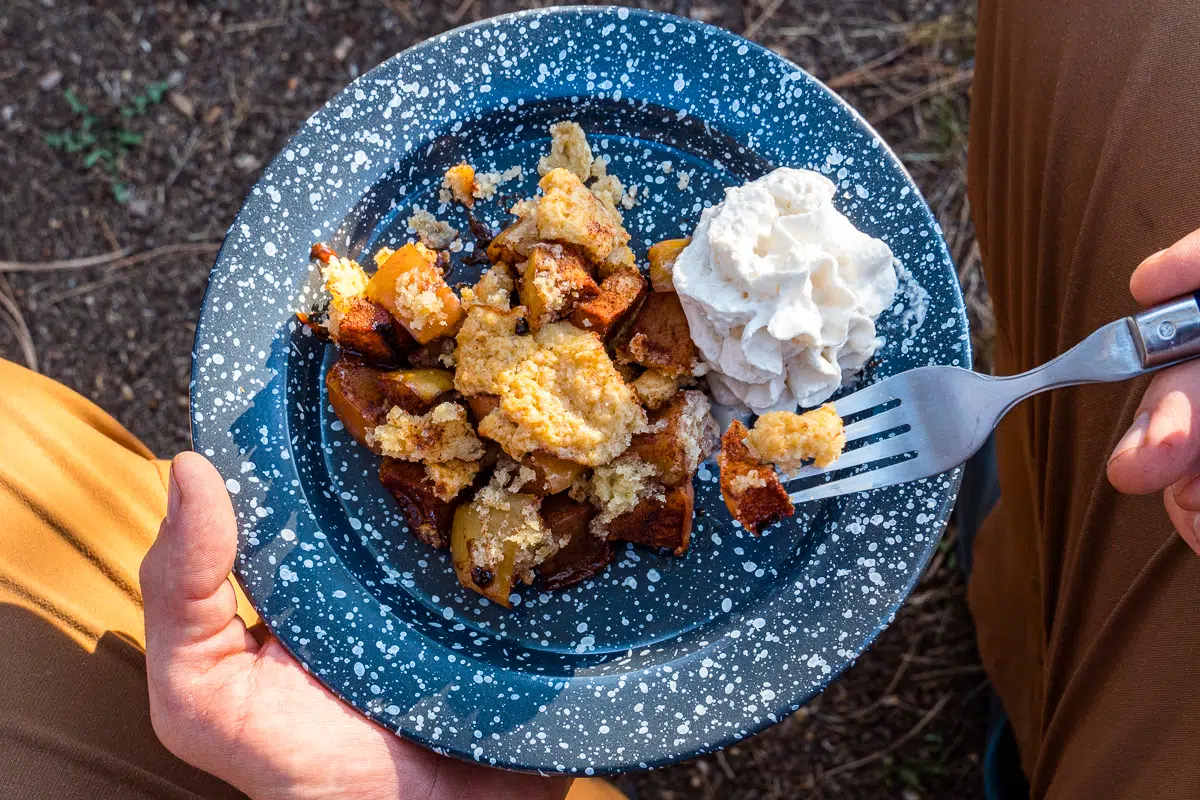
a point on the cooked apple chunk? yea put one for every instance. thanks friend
(661, 521)
(788, 440)
(662, 261)
(545, 474)
(620, 294)
(751, 489)
(429, 514)
(355, 322)
(409, 284)
(553, 280)
(460, 181)
(417, 390)
(681, 434)
(583, 555)
(499, 538)
(659, 336)
(357, 395)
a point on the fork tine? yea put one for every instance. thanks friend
(874, 479)
(866, 398)
(883, 421)
(876, 451)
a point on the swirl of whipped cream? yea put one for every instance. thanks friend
(781, 292)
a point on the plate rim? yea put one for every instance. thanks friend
(779, 710)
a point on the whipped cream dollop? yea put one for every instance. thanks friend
(781, 292)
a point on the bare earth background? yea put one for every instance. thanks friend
(211, 92)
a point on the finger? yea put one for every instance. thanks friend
(187, 596)
(1162, 444)
(1184, 520)
(1168, 273)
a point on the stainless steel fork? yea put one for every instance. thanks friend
(931, 419)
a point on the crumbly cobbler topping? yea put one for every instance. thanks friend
(563, 396)
(441, 434)
(488, 344)
(618, 487)
(750, 480)
(418, 292)
(486, 183)
(654, 388)
(493, 289)
(451, 477)
(788, 440)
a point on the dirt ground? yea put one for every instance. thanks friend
(211, 90)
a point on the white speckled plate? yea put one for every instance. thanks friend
(659, 658)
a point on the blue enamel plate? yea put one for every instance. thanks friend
(658, 658)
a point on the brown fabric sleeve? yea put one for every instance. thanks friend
(1084, 159)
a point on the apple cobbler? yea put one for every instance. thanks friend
(533, 420)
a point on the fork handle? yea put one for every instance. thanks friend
(1169, 333)
(1158, 337)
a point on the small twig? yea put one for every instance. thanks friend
(463, 9)
(895, 745)
(859, 73)
(930, 90)
(114, 275)
(69, 263)
(763, 18)
(16, 322)
(724, 763)
(189, 149)
(107, 231)
(12, 73)
(113, 261)
(948, 672)
(401, 8)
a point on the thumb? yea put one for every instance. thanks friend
(188, 599)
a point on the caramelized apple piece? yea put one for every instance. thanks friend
(584, 554)
(481, 405)
(512, 245)
(460, 180)
(432, 355)
(662, 261)
(482, 544)
(619, 296)
(429, 516)
(366, 328)
(357, 396)
(681, 434)
(551, 474)
(752, 491)
(553, 279)
(658, 522)
(409, 284)
(659, 336)
(417, 390)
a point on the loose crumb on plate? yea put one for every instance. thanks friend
(433, 232)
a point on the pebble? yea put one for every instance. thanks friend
(50, 80)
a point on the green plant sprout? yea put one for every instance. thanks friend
(103, 141)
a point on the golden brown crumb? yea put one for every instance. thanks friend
(559, 392)
(569, 150)
(488, 345)
(486, 183)
(345, 281)
(787, 440)
(460, 180)
(451, 477)
(568, 212)
(749, 480)
(433, 233)
(493, 289)
(654, 388)
(617, 488)
(442, 434)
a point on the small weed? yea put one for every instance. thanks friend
(104, 140)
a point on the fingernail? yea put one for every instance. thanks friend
(1134, 436)
(1158, 255)
(172, 495)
